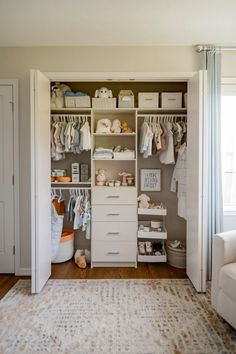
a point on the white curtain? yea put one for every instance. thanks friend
(211, 61)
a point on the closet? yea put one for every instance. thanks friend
(115, 217)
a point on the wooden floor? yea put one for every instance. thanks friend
(69, 270)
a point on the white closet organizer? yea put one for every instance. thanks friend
(114, 209)
(153, 235)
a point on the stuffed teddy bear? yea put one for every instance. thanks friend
(100, 177)
(80, 258)
(125, 128)
(57, 95)
(144, 201)
(103, 126)
(103, 92)
(116, 126)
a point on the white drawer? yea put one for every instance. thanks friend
(114, 251)
(114, 231)
(114, 195)
(114, 213)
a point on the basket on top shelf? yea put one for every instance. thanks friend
(77, 100)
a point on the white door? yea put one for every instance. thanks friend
(6, 180)
(196, 182)
(40, 181)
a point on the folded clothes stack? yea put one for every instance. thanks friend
(102, 153)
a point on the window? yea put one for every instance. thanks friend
(228, 116)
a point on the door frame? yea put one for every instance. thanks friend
(14, 84)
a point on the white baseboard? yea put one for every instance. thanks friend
(24, 271)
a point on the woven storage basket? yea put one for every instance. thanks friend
(104, 103)
(77, 102)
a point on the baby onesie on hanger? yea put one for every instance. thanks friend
(179, 176)
(167, 156)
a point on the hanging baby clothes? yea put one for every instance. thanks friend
(85, 137)
(82, 213)
(179, 176)
(56, 231)
(167, 156)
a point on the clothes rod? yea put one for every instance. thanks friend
(70, 115)
(202, 48)
(70, 188)
(162, 115)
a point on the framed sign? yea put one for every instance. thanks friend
(150, 180)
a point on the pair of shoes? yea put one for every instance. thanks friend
(145, 247)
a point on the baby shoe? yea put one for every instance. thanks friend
(81, 262)
(148, 245)
(141, 247)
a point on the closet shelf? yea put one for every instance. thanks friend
(115, 134)
(159, 211)
(69, 110)
(153, 234)
(114, 159)
(152, 259)
(70, 183)
(160, 110)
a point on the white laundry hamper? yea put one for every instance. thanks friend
(66, 246)
(176, 257)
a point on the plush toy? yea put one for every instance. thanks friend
(80, 259)
(57, 95)
(116, 126)
(103, 92)
(125, 128)
(100, 177)
(103, 126)
(144, 201)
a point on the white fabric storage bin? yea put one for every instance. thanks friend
(104, 102)
(171, 100)
(148, 99)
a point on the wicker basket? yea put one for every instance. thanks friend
(104, 103)
(77, 102)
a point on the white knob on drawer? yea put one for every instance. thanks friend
(113, 214)
(113, 252)
(113, 233)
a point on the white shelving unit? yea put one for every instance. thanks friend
(153, 234)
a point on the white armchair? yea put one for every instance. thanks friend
(223, 291)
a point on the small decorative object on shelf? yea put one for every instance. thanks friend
(116, 126)
(75, 172)
(103, 99)
(84, 172)
(124, 176)
(100, 177)
(58, 95)
(143, 200)
(125, 128)
(103, 126)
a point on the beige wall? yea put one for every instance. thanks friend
(16, 63)
(228, 64)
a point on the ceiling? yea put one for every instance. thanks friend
(117, 22)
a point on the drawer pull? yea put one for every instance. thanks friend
(114, 252)
(113, 214)
(113, 233)
(113, 196)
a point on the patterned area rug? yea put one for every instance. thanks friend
(112, 317)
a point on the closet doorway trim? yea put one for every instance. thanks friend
(119, 76)
(14, 84)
